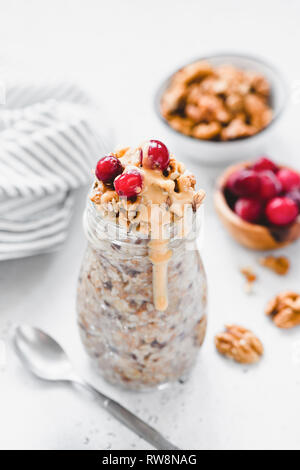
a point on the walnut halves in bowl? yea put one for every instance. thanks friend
(220, 102)
(205, 112)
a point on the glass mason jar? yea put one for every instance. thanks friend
(133, 344)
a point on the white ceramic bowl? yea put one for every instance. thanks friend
(212, 152)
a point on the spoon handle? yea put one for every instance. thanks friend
(130, 420)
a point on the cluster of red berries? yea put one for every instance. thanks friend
(129, 183)
(265, 194)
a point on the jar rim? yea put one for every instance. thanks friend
(92, 217)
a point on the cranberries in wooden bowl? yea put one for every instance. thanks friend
(259, 204)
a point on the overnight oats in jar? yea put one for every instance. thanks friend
(141, 298)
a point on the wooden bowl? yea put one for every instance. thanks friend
(253, 236)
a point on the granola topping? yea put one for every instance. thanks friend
(217, 103)
(171, 190)
(239, 344)
(285, 310)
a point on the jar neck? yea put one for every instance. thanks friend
(99, 229)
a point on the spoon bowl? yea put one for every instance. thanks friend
(42, 354)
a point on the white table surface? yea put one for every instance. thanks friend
(120, 51)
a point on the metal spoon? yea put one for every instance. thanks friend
(46, 359)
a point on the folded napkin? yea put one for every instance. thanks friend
(48, 145)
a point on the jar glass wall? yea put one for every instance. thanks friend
(133, 344)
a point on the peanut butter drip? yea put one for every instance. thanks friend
(163, 203)
(159, 255)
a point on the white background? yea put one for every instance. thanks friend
(119, 51)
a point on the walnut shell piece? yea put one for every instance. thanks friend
(207, 131)
(198, 199)
(237, 129)
(195, 71)
(259, 112)
(183, 125)
(239, 344)
(279, 264)
(173, 99)
(285, 310)
(260, 84)
(250, 277)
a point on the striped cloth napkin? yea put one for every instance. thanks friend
(48, 145)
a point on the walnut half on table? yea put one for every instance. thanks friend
(239, 344)
(285, 310)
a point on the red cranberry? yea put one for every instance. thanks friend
(248, 209)
(108, 168)
(295, 196)
(289, 179)
(264, 163)
(282, 211)
(244, 183)
(156, 155)
(129, 184)
(230, 185)
(270, 186)
(230, 198)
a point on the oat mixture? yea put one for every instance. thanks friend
(142, 296)
(217, 103)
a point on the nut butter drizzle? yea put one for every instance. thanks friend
(159, 255)
(157, 189)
